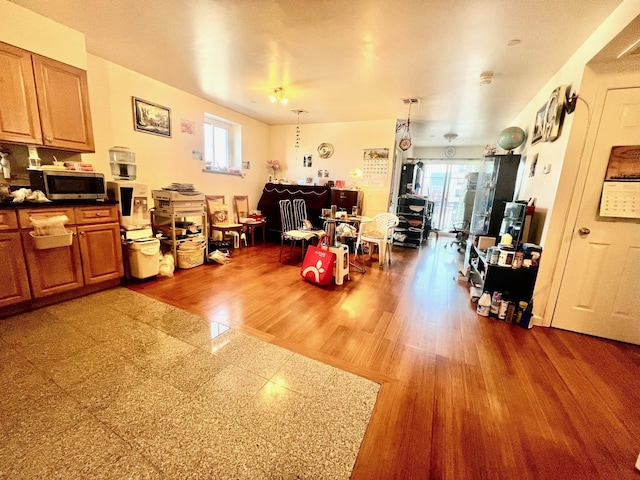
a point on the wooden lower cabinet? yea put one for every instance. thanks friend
(93, 258)
(53, 270)
(101, 252)
(14, 282)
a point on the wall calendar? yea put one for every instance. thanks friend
(375, 165)
(621, 189)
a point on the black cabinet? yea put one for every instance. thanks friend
(414, 213)
(495, 187)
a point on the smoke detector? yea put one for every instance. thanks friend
(486, 78)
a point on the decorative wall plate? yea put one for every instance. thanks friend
(325, 150)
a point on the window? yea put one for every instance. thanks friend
(221, 145)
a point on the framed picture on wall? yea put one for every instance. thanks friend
(538, 128)
(151, 118)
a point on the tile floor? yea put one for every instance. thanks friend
(117, 385)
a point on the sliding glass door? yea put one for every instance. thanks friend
(450, 184)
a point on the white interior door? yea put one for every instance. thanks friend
(600, 292)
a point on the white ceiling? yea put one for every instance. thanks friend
(345, 60)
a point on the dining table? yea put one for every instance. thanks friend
(330, 226)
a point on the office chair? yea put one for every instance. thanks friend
(461, 231)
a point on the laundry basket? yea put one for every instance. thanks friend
(190, 254)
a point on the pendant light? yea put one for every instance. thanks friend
(405, 141)
(298, 111)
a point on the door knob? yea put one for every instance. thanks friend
(584, 231)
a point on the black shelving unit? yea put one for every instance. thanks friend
(519, 282)
(415, 214)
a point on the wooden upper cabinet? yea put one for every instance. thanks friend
(19, 119)
(63, 101)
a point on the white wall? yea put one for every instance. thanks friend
(349, 140)
(462, 152)
(553, 191)
(161, 161)
(22, 28)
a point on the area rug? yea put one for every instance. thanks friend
(118, 385)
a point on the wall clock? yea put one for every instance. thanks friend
(449, 152)
(554, 114)
(325, 150)
(404, 144)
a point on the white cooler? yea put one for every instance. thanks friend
(144, 259)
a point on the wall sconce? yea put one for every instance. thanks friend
(279, 96)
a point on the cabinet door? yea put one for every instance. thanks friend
(63, 100)
(19, 120)
(14, 282)
(53, 270)
(101, 252)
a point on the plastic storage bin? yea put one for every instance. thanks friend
(44, 242)
(144, 259)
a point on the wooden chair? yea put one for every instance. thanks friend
(215, 209)
(241, 207)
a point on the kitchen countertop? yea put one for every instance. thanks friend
(56, 203)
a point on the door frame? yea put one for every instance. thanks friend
(598, 80)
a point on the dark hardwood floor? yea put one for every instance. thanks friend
(462, 396)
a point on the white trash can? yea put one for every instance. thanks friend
(144, 259)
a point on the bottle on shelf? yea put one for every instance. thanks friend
(511, 311)
(496, 299)
(522, 306)
(484, 304)
(504, 306)
(527, 315)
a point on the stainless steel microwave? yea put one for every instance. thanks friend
(68, 184)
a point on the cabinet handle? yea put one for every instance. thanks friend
(98, 214)
(81, 233)
(49, 139)
(584, 231)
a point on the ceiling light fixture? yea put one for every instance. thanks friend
(486, 78)
(279, 96)
(450, 136)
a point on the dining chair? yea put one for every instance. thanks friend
(289, 231)
(218, 217)
(241, 207)
(381, 235)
